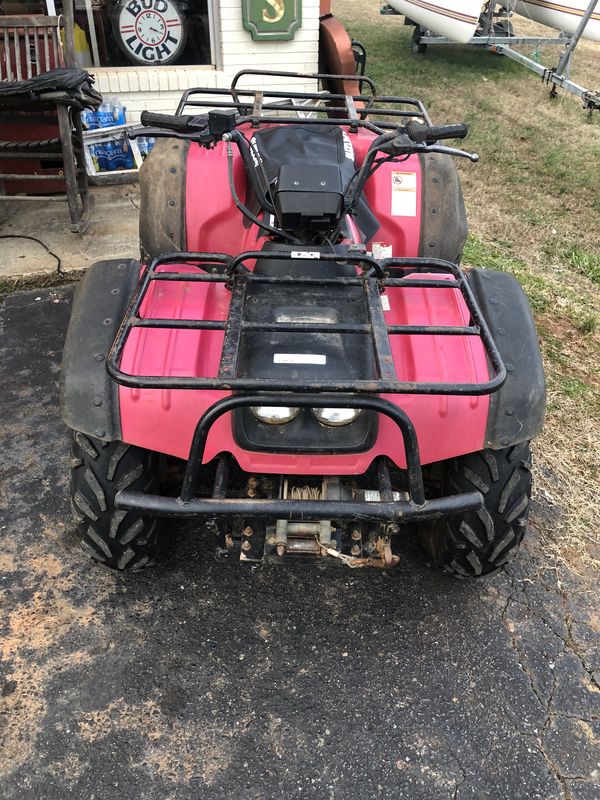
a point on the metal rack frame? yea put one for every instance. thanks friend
(250, 102)
(228, 270)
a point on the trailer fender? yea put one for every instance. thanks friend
(88, 396)
(517, 409)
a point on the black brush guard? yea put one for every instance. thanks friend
(375, 278)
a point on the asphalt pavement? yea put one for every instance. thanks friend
(213, 680)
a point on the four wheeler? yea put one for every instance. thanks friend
(300, 342)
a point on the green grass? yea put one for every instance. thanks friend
(396, 70)
(574, 387)
(587, 264)
(478, 253)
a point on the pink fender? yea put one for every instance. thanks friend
(164, 419)
(214, 225)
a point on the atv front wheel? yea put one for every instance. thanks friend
(480, 542)
(121, 540)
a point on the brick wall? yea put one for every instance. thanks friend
(159, 90)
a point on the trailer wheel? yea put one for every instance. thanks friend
(416, 45)
(481, 542)
(121, 540)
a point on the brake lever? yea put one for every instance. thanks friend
(404, 145)
(450, 151)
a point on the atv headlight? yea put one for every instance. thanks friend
(275, 415)
(335, 417)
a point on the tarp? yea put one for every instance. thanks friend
(64, 86)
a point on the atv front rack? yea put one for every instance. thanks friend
(361, 394)
(376, 277)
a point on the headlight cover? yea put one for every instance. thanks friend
(336, 417)
(275, 415)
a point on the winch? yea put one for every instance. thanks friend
(361, 543)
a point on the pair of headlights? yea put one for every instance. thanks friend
(279, 415)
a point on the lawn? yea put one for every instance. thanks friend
(533, 203)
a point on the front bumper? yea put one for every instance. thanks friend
(218, 506)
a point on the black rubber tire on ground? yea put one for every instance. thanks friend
(121, 540)
(480, 542)
(415, 44)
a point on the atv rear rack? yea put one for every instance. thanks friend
(252, 107)
(375, 278)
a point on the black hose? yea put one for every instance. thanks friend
(246, 211)
(244, 149)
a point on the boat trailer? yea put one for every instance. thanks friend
(499, 38)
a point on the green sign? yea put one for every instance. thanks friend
(272, 20)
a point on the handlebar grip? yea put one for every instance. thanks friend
(433, 133)
(169, 121)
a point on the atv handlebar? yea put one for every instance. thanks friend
(419, 132)
(414, 137)
(415, 133)
(181, 124)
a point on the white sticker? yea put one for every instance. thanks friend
(385, 302)
(404, 194)
(348, 149)
(382, 250)
(299, 358)
(312, 254)
(372, 496)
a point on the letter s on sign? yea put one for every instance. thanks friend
(278, 8)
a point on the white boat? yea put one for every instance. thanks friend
(458, 19)
(455, 19)
(562, 16)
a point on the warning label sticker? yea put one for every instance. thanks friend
(404, 194)
(381, 250)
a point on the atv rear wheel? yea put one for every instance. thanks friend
(121, 540)
(481, 542)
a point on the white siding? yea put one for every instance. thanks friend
(160, 89)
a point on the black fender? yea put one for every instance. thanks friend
(89, 398)
(162, 198)
(444, 225)
(517, 409)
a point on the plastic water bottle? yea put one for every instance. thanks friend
(110, 155)
(128, 160)
(123, 154)
(94, 152)
(118, 110)
(89, 120)
(104, 115)
(100, 155)
(145, 144)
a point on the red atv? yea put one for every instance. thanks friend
(300, 339)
